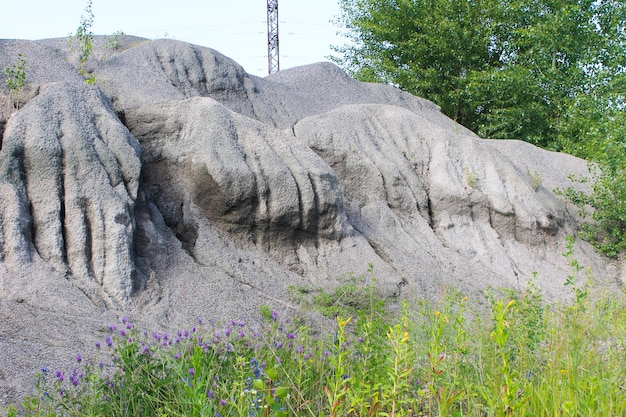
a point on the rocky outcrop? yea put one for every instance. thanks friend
(71, 170)
(180, 186)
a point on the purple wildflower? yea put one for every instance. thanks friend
(79, 358)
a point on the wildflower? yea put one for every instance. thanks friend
(124, 319)
(210, 394)
(60, 376)
(200, 321)
(107, 398)
(109, 341)
(242, 334)
(79, 358)
(122, 333)
(98, 345)
(227, 331)
(44, 369)
(223, 402)
(112, 328)
(274, 315)
(343, 323)
(129, 326)
(291, 336)
(192, 371)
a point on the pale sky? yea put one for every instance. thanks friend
(236, 28)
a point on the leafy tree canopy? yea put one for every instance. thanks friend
(550, 72)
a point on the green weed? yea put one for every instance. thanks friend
(16, 80)
(521, 358)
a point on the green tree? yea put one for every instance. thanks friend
(426, 47)
(503, 68)
(550, 72)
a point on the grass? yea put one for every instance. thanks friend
(523, 358)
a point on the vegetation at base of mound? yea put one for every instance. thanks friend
(515, 356)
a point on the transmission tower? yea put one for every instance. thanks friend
(273, 58)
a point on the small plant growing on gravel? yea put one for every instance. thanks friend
(84, 38)
(113, 42)
(535, 180)
(16, 80)
(470, 177)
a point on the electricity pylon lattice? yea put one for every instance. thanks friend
(273, 57)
